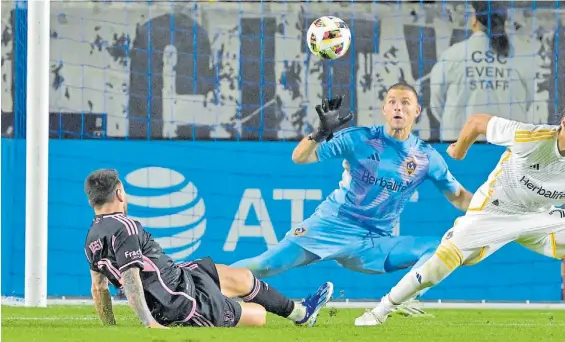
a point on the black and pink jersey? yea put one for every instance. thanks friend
(116, 243)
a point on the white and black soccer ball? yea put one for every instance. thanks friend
(329, 37)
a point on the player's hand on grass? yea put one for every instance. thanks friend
(454, 152)
(330, 119)
(156, 325)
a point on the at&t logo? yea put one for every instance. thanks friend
(169, 207)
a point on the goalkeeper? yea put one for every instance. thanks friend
(353, 226)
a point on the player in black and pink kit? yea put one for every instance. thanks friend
(163, 293)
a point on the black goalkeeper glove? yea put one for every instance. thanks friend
(330, 120)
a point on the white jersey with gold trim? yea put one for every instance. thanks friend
(530, 176)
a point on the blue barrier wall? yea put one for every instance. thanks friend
(242, 188)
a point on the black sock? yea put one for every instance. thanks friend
(269, 298)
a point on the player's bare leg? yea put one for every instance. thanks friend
(252, 315)
(240, 282)
(234, 282)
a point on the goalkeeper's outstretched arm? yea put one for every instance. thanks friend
(102, 298)
(305, 151)
(330, 122)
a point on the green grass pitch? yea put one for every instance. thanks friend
(80, 323)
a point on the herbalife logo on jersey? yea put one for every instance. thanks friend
(540, 190)
(389, 184)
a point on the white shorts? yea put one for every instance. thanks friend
(479, 234)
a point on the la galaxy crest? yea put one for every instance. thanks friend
(411, 166)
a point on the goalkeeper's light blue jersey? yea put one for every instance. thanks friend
(385, 172)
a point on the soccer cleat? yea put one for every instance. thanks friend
(378, 315)
(315, 302)
(412, 309)
(370, 318)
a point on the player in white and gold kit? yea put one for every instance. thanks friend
(517, 203)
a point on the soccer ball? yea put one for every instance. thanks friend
(329, 37)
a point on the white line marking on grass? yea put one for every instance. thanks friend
(57, 318)
(419, 322)
(484, 324)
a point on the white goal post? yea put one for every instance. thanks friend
(37, 149)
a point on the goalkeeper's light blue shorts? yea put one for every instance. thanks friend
(356, 248)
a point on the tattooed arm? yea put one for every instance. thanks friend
(133, 290)
(102, 299)
(127, 244)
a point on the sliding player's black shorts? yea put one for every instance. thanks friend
(212, 307)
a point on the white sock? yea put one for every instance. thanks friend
(419, 281)
(298, 313)
(385, 307)
(406, 289)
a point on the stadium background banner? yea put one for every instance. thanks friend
(147, 73)
(232, 201)
(242, 70)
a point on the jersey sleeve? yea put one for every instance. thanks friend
(127, 244)
(93, 248)
(517, 136)
(440, 175)
(501, 131)
(90, 259)
(342, 144)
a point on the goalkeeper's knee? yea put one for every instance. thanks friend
(444, 261)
